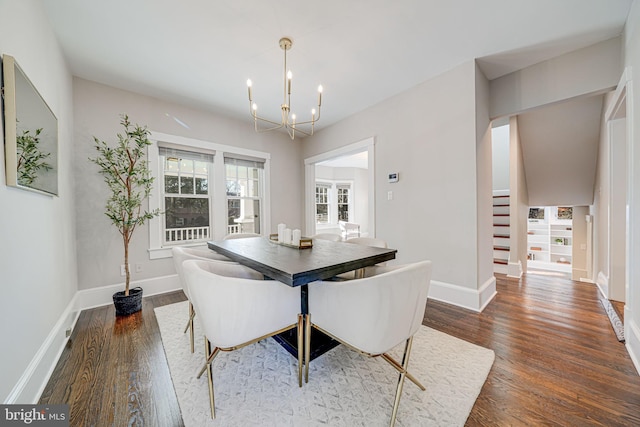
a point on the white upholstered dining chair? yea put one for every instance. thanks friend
(240, 236)
(368, 241)
(367, 271)
(180, 255)
(237, 311)
(373, 315)
(333, 237)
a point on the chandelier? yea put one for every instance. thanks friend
(288, 120)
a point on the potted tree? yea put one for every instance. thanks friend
(126, 173)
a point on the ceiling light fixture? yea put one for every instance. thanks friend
(288, 120)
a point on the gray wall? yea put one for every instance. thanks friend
(37, 254)
(433, 214)
(97, 113)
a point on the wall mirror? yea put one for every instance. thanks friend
(30, 133)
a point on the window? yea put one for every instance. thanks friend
(244, 182)
(344, 202)
(322, 203)
(185, 195)
(333, 202)
(190, 187)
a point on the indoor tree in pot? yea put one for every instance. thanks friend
(126, 173)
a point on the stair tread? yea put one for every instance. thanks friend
(500, 261)
(495, 214)
(502, 236)
(501, 225)
(501, 205)
(500, 197)
(501, 248)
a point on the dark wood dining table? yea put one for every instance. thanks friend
(299, 267)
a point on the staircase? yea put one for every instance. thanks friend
(501, 233)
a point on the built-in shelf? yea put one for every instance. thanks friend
(550, 242)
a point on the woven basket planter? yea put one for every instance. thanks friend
(126, 305)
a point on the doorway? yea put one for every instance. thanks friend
(363, 203)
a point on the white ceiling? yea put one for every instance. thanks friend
(201, 52)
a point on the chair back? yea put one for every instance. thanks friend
(373, 314)
(349, 228)
(181, 254)
(368, 241)
(240, 236)
(235, 305)
(328, 236)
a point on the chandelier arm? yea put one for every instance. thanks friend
(297, 129)
(277, 125)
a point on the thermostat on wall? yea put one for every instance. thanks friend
(393, 177)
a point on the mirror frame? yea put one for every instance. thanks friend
(46, 181)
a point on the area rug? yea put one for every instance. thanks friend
(257, 385)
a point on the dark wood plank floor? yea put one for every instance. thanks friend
(557, 361)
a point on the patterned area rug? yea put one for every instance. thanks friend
(257, 385)
(616, 323)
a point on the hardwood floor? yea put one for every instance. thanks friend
(557, 361)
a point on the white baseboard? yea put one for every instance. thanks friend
(35, 377)
(632, 337)
(471, 299)
(603, 284)
(514, 270)
(97, 297)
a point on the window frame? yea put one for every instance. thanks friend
(332, 199)
(217, 188)
(240, 198)
(195, 195)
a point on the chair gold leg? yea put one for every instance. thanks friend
(307, 346)
(398, 366)
(192, 314)
(209, 358)
(189, 327)
(300, 347)
(208, 353)
(403, 373)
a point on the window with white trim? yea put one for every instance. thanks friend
(244, 187)
(193, 195)
(322, 203)
(344, 201)
(334, 202)
(186, 199)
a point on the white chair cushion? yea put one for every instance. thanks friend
(376, 313)
(234, 310)
(181, 254)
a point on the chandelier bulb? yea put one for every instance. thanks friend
(320, 89)
(313, 111)
(289, 75)
(249, 84)
(254, 107)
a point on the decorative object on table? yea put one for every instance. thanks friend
(303, 242)
(128, 177)
(288, 119)
(291, 238)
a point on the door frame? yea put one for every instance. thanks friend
(368, 145)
